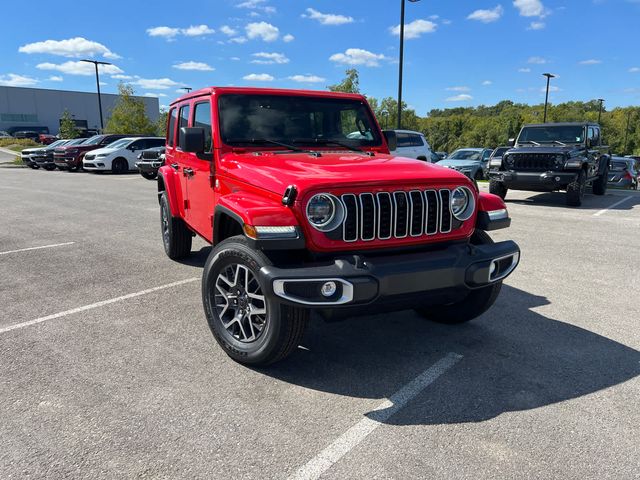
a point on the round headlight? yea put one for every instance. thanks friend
(325, 212)
(462, 203)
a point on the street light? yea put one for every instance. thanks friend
(96, 63)
(401, 60)
(546, 100)
(186, 89)
(601, 100)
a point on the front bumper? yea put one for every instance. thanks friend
(148, 166)
(408, 280)
(545, 181)
(65, 162)
(94, 165)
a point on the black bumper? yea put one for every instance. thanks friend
(544, 181)
(408, 279)
(148, 167)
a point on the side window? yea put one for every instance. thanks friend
(415, 140)
(138, 145)
(155, 142)
(404, 140)
(486, 154)
(202, 119)
(171, 129)
(183, 121)
(596, 136)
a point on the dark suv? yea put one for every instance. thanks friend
(554, 156)
(70, 157)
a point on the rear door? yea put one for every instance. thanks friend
(180, 157)
(199, 174)
(132, 151)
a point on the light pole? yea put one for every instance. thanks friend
(401, 61)
(186, 89)
(601, 100)
(626, 131)
(96, 63)
(546, 99)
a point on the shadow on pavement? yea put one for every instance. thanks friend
(197, 258)
(590, 202)
(514, 359)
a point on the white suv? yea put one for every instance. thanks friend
(119, 156)
(413, 145)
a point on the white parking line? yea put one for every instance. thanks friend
(352, 437)
(94, 305)
(37, 248)
(597, 214)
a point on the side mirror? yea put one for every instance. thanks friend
(511, 142)
(191, 139)
(391, 138)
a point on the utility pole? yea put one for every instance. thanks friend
(186, 89)
(399, 123)
(96, 63)
(601, 100)
(546, 99)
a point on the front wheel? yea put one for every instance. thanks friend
(149, 175)
(120, 165)
(600, 184)
(251, 327)
(497, 188)
(575, 190)
(474, 304)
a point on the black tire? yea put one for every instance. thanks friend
(600, 184)
(575, 190)
(35, 167)
(120, 165)
(279, 330)
(49, 168)
(149, 175)
(498, 188)
(479, 175)
(471, 306)
(176, 237)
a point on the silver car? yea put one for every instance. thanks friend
(473, 162)
(624, 173)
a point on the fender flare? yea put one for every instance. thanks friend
(169, 181)
(492, 212)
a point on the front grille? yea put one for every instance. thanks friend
(532, 161)
(397, 214)
(150, 155)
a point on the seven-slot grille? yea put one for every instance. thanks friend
(398, 214)
(533, 161)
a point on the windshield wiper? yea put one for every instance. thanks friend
(262, 141)
(324, 141)
(558, 142)
(530, 141)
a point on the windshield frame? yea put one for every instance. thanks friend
(554, 141)
(324, 143)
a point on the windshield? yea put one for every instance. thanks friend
(260, 119)
(550, 134)
(94, 140)
(76, 141)
(57, 143)
(465, 155)
(119, 144)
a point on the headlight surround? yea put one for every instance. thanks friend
(559, 161)
(495, 162)
(462, 203)
(324, 212)
(101, 155)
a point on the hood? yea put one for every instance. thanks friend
(28, 151)
(543, 149)
(448, 162)
(106, 150)
(276, 171)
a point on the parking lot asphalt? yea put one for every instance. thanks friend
(108, 369)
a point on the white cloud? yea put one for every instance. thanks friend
(155, 83)
(634, 70)
(235, 59)
(357, 56)
(415, 29)
(524, 70)
(122, 77)
(288, 38)
(14, 80)
(530, 8)
(458, 89)
(536, 26)
(487, 83)
(55, 78)
(199, 66)
(537, 60)
(227, 30)
(463, 97)
(307, 78)
(552, 88)
(262, 30)
(73, 48)
(166, 32)
(259, 77)
(79, 68)
(257, 5)
(487, 16)
(154, 95)
(265, 58)
(197, 30)
(327, 18)
(591, 61)
(238, 40)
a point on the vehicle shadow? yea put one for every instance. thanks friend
(196, 258)
(513, 359)
(590, 202)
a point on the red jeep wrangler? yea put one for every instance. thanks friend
(307, 211)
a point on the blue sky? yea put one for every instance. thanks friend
(458, 53)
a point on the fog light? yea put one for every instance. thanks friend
(557, 179)
(492, 269)
(328, 289)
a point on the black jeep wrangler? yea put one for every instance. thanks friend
(553, 156)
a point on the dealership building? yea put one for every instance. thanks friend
(26, 108)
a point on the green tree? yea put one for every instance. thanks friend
(67, 126)
(349, 84)
(161, 124)
(128, 115)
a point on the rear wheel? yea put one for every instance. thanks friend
(600, 184)
(474, 304)
(575, 190)
(251, 327)
(50, 168)
(120, 165)
(149, 175)
(497, 188)
(176, 237)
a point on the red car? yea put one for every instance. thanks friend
(70, 157)
(305, 217)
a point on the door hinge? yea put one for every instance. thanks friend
(186, 204)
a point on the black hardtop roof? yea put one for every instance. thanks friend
(562, 124)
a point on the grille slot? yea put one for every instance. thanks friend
(397, 214)
(533, 161)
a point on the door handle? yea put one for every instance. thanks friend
(175, 166)
(188, 172)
